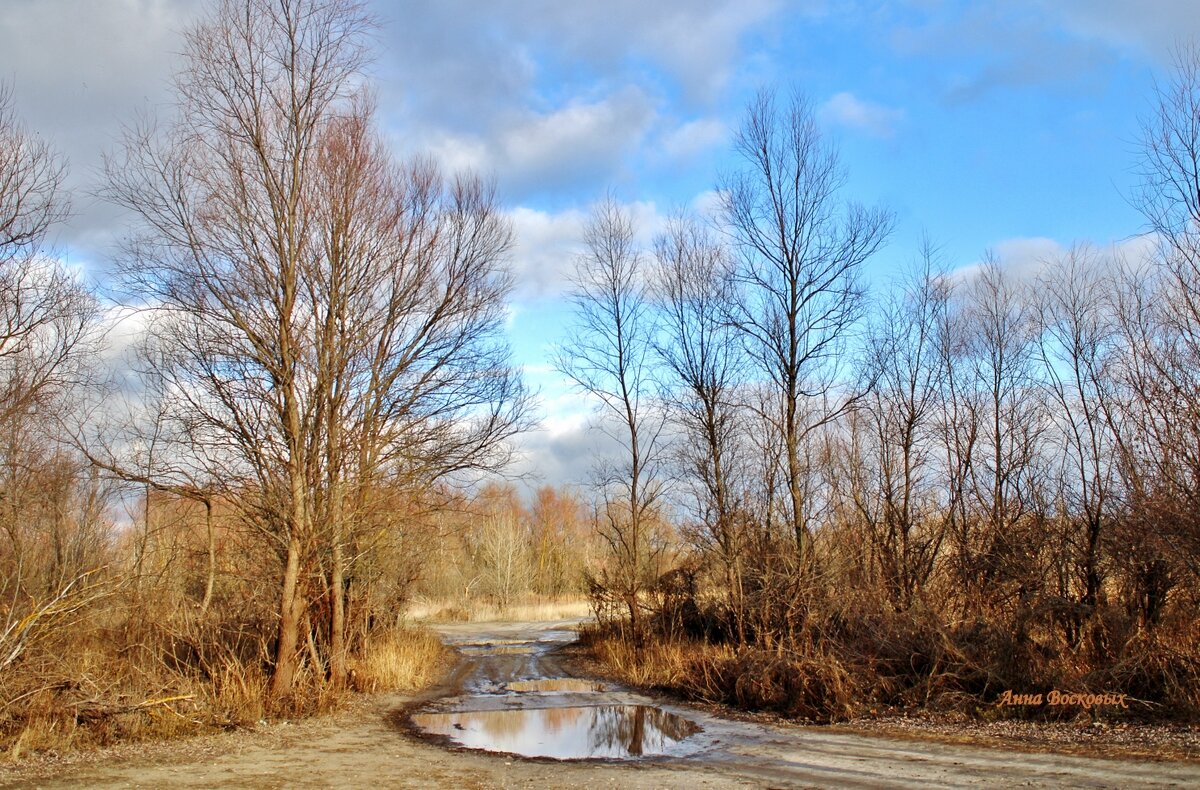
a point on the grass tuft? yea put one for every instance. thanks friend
(402, 660)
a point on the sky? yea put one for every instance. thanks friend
(1009, 127)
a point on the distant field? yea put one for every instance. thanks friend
(435, 610)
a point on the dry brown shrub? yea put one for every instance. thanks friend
(1159, 670)
(817, 688)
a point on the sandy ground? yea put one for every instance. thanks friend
(372, 745)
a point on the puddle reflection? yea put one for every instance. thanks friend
(564, 733)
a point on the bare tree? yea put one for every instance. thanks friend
(325, 321)
(699, 348)
(46, 316)
(48, 323)
(411, 382)
(1170, 167)
(800, 251)
(898, 492)
(1076, 342)
(504, 556)
(31, 184)
(608, 355)
(1160, 318)
(999, 421)
(220, 193)
(562, 548)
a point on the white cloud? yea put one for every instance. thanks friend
(648, 220)
(693, 138)
(702, 58)
(544, 97)
(847, 110)
(460, 154)
(1137, 250)
(565, 448)
(559, 96)
(1024, 258)
(78, 70)
(1152, 27)
(582, 143)
(1020, 257)
(124, 329)
(1002, 45)
(545, 249)
(547, 244)
(579, 139)
(695, 41)
(707, 203)
(511, 311)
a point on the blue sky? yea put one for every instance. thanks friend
(1009, 127)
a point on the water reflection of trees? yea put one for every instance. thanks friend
(600, 731)
(636, 729)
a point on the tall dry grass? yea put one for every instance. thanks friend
(402, 660)
(813, 688)
(90, 694)
(139, 675)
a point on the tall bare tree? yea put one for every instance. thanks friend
(800, 253)
(411, 381)
(693, 283)
(898, 493)
(1165, 330)
(220, 193)
(48, 323)
(1001, 409)
(46, 316)
(608, 355)
(1076, 341)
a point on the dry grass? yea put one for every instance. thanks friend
(813, 688)
(401, 660)
(659, 664)
(859, 659)
(478, 611)
(95, 686)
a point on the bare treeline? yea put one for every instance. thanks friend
(975, 480)
(491, 550)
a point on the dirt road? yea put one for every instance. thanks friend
(498, 697)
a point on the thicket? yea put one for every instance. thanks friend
(976, 481)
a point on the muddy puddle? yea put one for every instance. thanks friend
(555, 686)
(491, 649)
(564, 733)
(512, 694)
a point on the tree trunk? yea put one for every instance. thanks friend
(291, 610)
(210, 579)
(337, 626)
